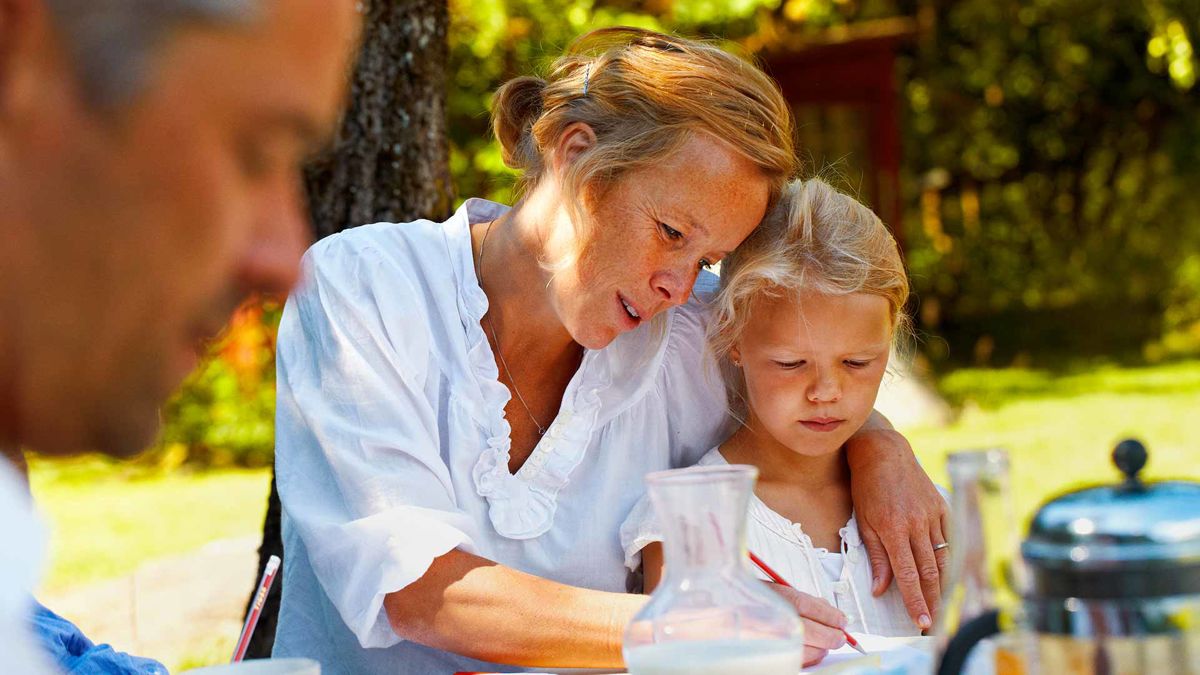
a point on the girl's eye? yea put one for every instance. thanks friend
(790, 365)
(857, 364)
(672, 233)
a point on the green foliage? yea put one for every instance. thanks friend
(1051, 147)
(224, 414)
(1049, 150)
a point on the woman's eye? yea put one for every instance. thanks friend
(790, 365)
(857, 364)
(672, 233)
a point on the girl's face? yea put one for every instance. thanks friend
(651, 232)
(813, 365)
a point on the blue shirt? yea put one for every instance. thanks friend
(75, 654)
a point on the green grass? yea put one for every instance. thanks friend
(107, 518)
(1060, 428)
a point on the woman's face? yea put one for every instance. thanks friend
(813, 366)
(650, 234)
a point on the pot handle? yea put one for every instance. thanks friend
(970, 634)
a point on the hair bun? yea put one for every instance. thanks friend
(516, 106)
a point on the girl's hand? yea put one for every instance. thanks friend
(823, 623)
(901, 517)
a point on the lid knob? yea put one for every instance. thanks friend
(1130, 457)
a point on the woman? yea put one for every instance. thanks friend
(466, 409)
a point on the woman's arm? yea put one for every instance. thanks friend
(901, 516)
(478, 608)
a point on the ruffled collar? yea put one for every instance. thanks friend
(785, 527)
(522, 505)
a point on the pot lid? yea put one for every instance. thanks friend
(1130, 538)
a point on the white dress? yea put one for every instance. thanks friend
(842, 578)
(20, 567)
(392, 446)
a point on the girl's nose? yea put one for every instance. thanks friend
(826, 388)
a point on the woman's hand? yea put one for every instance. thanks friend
(901, 517)
(823, 623)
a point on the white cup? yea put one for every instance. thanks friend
(263, 667)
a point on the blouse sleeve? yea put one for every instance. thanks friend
(358, 465)
(639, 530)
(697, 407)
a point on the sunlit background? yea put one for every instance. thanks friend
(1037, 158)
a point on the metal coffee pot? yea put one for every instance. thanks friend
(1114, 583)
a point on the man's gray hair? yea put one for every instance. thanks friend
(112, 42)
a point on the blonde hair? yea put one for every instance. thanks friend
(816, 238)
(643, 94)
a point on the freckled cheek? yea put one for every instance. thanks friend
(862, 392)
(776, 392)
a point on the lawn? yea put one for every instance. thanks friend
(1060, 429)
(106, 518)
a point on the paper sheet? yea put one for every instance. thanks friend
(893, 656)
(886, 656)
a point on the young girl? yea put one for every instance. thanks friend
(808, 310)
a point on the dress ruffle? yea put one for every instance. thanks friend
(522, 506)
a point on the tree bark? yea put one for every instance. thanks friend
(390, 162)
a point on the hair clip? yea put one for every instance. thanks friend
(587, 76)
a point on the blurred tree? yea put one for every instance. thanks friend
(389, 164)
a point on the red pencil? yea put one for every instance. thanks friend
(260, 597)
(783, 582)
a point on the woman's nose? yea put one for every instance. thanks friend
(673, 287)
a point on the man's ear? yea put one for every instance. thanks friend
(576, 139)
(21, 22)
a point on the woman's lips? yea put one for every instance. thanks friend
(822, 424)
(629, 320)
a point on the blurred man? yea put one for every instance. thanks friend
(149, 155)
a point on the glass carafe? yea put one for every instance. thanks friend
(983, 537)
(983, 570)
(710, 615)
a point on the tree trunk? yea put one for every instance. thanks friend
(390, 163)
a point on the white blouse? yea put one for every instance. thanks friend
(843, 579)
(392, 445)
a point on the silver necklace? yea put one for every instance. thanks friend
(499, 352)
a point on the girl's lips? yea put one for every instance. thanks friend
(822, 424)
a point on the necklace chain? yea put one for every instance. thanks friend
(499, 352)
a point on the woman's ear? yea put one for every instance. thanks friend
(575, 140)
(735, 356)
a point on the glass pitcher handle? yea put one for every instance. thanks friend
(970, 634)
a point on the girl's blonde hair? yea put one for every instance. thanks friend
(816, 238)
(643, 94)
